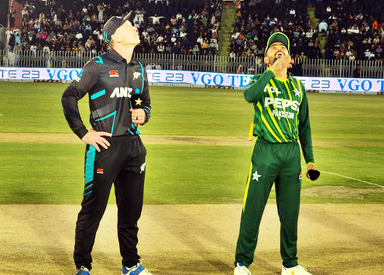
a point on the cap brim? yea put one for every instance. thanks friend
(129, 17)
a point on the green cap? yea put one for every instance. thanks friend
(278, 37)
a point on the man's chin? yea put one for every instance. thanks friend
(271, 62)
(135, 43)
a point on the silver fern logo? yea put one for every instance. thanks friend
(136, 75)
(142, 168)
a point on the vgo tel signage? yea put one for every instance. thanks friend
(168, 77)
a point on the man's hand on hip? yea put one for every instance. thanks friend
(95, 138)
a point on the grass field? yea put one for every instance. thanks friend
(348, 137)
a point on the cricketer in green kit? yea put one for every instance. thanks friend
(281, 119)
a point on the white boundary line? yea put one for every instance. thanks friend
(346, 177)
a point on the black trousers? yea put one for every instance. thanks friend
(123, 164)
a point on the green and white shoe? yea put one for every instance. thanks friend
(241, 270)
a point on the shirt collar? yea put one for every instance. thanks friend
(289, 78)
(116, 56)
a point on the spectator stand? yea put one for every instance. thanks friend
(355, 29)
(165, 26)
(256, 20)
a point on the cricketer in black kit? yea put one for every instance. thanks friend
(119, 101)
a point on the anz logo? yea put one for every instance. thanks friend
(119, 92)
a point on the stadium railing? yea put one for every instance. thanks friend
(203, 63)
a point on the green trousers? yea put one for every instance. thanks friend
(277, 163)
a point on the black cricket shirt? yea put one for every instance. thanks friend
(113, 87)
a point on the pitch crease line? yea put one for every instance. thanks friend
(342, 176)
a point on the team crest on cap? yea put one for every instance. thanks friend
(113, 73)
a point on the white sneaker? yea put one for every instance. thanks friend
(296, 270)
(135, 270)
(241, 270)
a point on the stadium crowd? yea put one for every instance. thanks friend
(165, 26)
(354, 30)
(256, 20)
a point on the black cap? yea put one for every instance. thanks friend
(113, 23)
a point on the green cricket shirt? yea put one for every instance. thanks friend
(281, 111)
